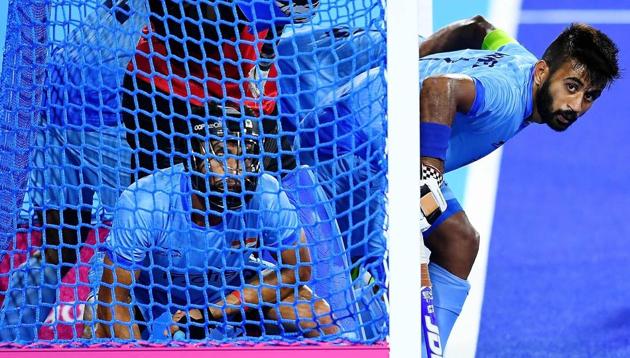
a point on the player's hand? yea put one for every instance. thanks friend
(197, 326)
(432, 202)
(215, 313)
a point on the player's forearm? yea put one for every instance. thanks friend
(274, 290)
(115, 310)
(116, 318)
(123, 326)
(295, 270)
(463, 34)
(441, 98)
(437, 109)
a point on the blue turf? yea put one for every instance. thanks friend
(557, 283)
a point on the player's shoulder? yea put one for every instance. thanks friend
(518, 51)
(267, 194)
(500, 41)
(268, 184)
(155, 189)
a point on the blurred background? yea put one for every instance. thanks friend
(552, 275)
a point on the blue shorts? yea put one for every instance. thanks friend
(452, 207)
(70, 165)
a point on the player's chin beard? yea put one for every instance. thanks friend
(544, 103)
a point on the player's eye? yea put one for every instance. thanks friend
(572, 87)
(589, 97)
(217, 148)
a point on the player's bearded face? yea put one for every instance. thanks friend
(556, 118)
(566, 95)
(228, 172)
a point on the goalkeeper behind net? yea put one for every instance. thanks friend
(192, 171)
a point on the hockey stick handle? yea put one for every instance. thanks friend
(430, 330)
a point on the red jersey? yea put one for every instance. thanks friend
(225, 70)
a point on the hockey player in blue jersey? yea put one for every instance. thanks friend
(190, 239)
(472, 102)
(81, 128)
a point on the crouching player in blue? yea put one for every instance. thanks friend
(190, 239)
(472, 102)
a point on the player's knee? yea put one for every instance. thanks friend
(467, 239)
(470, 237)
(455, 237)
(454, 246)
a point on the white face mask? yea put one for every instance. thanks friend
(225, 177)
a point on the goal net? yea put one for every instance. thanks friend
(193, 171)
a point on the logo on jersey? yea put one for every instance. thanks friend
(256, 80)
(489, 60)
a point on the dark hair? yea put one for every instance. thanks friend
(590, 48)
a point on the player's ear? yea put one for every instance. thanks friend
(541, 72)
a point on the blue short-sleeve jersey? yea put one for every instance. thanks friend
(152, 231)
(503, 102)
(313, 63)
(350, 122)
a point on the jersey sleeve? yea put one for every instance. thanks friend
(495, 94)
(351, 121)
(130, 237)
(280, 219)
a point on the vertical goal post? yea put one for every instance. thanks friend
(405, 20)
